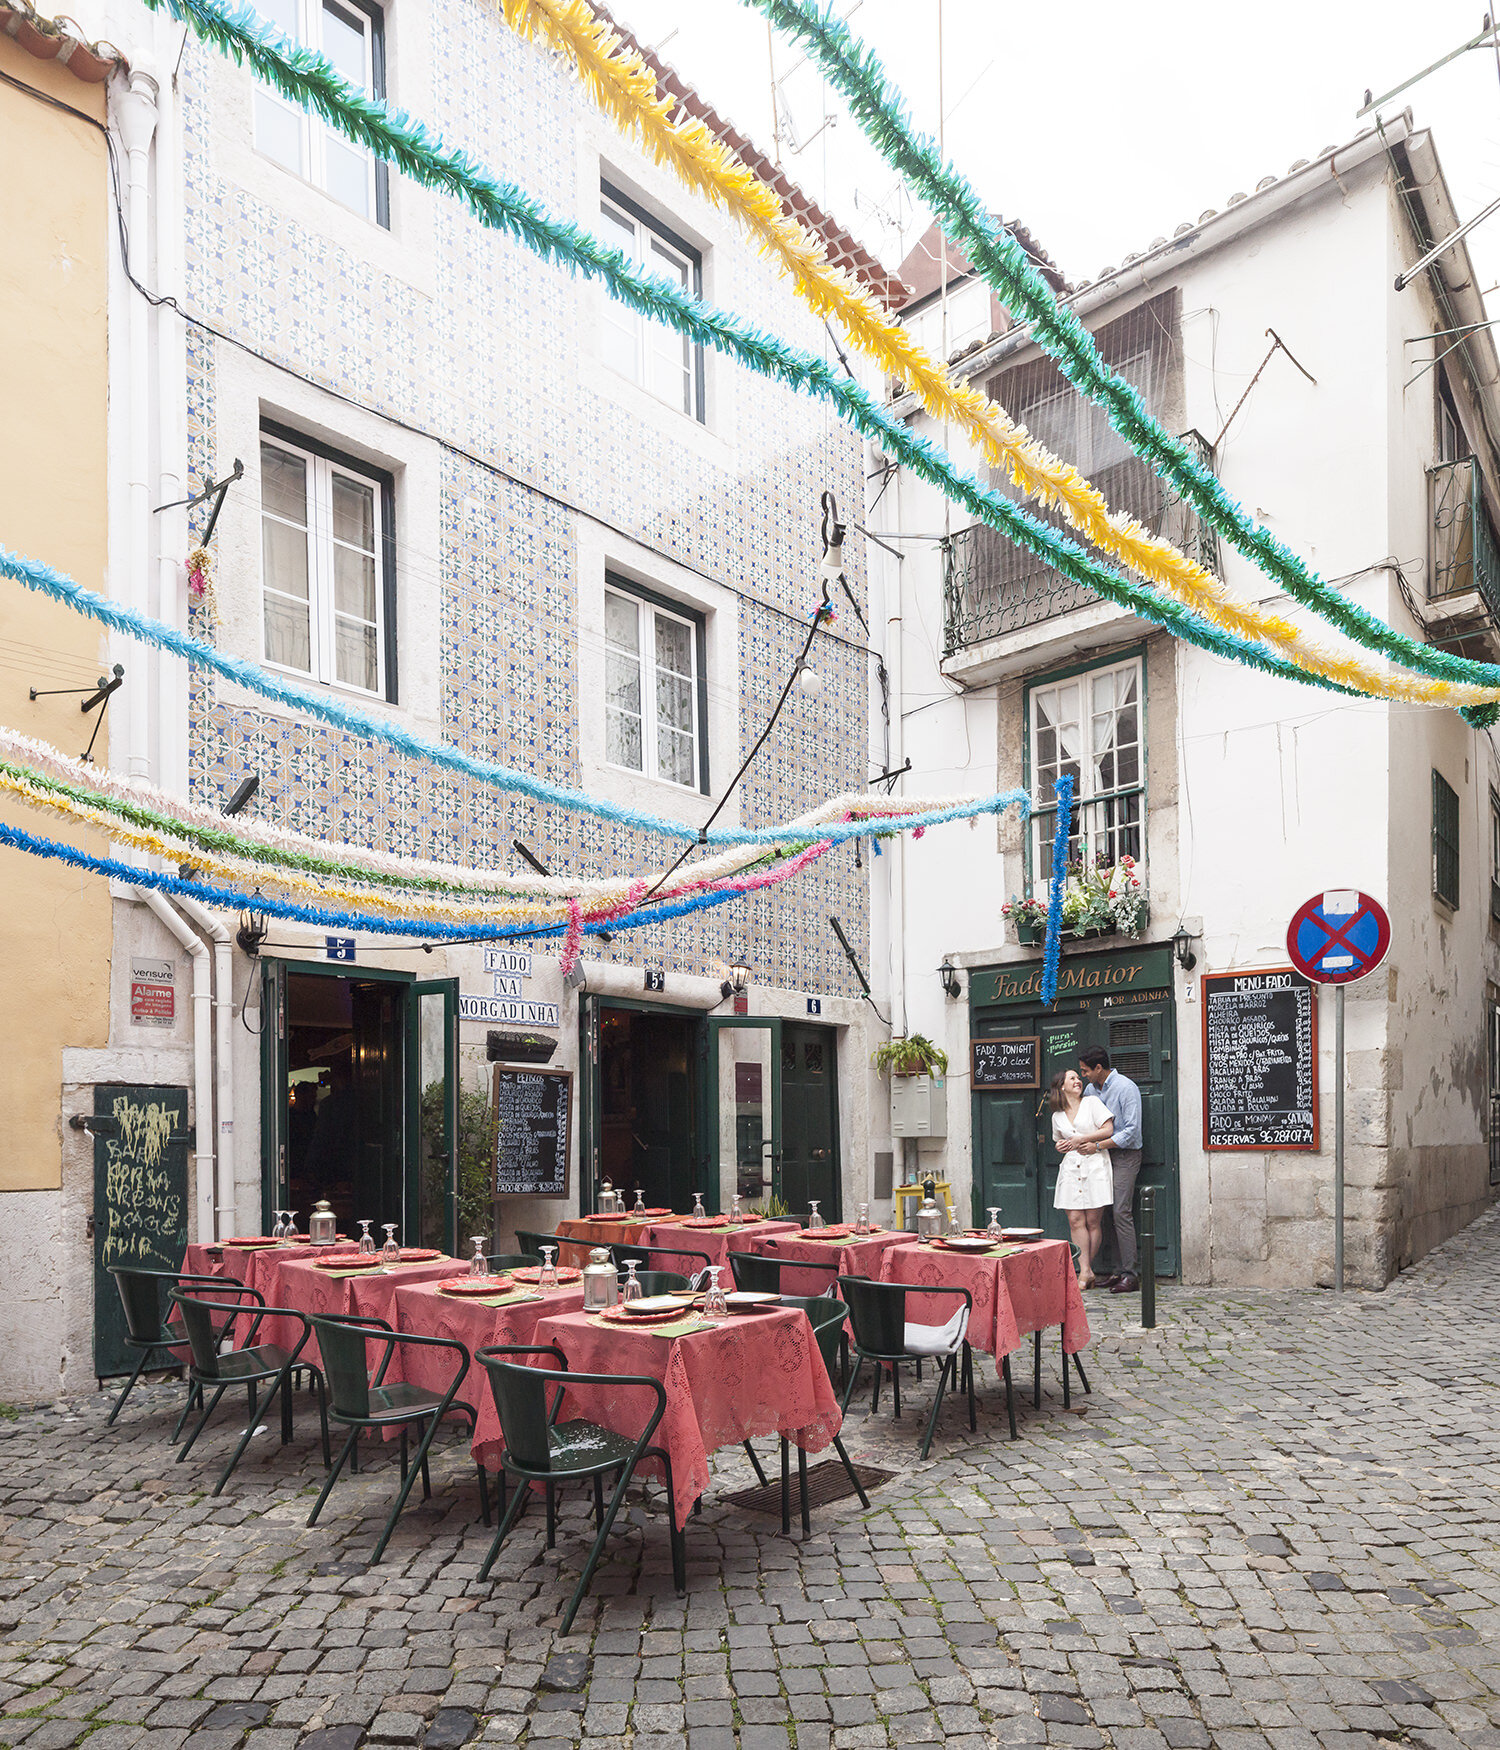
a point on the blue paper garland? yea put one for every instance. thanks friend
(1053, 953)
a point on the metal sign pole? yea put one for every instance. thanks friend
(1338, 1139)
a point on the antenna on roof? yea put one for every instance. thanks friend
(1487, 35)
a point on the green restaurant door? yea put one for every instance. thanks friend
(1122, 1001)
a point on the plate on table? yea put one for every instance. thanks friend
(962, 1243)
(842, 1232)
(648, 1214)
(358, 1261)
(247, 1244)
(531, 1273)
(476, 1285)
(627, 1315)
(419, 1254)
(747, 1302)
(702, 1221)
(1023, 1233)
(651, 1304)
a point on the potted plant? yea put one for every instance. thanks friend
(914, 1055)
(1103, 897)
(1030, 917)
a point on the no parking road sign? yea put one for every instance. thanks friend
(1338, 936)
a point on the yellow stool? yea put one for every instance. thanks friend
(943, 1195)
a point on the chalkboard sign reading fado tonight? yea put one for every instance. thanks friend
(533, 1108)
(1260, 1060)
(1006, 1063)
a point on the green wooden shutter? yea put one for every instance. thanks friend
(1444, 841)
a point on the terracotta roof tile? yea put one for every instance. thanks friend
(60, 40)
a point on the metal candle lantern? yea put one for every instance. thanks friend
(323, 1224)
(607, 1199)
(601, 1281)
(929, 1219)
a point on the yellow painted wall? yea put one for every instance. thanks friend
(54, 923)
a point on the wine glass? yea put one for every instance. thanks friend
(366, 1239)
(640, 1202)
(735, 1212)
(390, 1252)
(630, 1289)
(547, 1276)
(993, 1232)
(715, 1307)
(952, 1218)
(862, 1226)
(479, 1265)
(291, 1226)
(815, 1220)
(699, 1213)
(278, 1233)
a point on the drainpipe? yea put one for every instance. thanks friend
(203, 1081)
(223, 1058)
(136, 111)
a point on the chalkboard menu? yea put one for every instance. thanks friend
(532, 1111)
(1260, 1060)
(1006, 1063)
(141, 1140)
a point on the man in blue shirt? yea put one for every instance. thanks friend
(1122, 1099)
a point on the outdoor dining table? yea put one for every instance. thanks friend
(716, 1238)
(754, 1374)
(299, 1284)
(852, 1255)
(475, 1321)
(247, 1265)
(1018, 1290)
(586, 1231)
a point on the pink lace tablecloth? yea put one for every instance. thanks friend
(254, 1268)
(753, 1375)
(1027, 1290)
(299, 1284)
(855, 1257)
(422, 1310)
(716, 1243)
(583, 1232)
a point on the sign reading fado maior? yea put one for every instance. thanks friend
(1085, 976)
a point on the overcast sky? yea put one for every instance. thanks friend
(1102, 126)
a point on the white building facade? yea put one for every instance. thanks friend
(1238, 795)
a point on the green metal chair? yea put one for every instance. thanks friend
(755, 1273)
(826, 1316)
(660, 1281)
(532, 1243)
(642, 1256)
(360, 1402)
(148, 1329)
(539, 1449)
(513, 1261)
(250, 1365)
(877, 1316)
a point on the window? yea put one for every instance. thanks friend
(1494, 857)
(655, 702)
(1090, 727)
(1444, 841)
(327, 564)
(656, 357)
(352, 37)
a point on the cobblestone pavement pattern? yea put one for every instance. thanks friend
(1275, 1524)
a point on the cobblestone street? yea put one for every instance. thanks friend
(1273, 1524)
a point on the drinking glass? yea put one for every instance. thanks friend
(479, 1265)
(952, 1219)
(640, 1201)
(862, 1226)
(390, 1252)
(699, 1213)
(547, 1277)
(815, 1220)
(735, 1212)
(278, 1233)
(630, 1289)
(366, 1240)
(993, 1230)
(291, 1226)
(715, 1307)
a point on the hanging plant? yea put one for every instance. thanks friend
(200, 577)
(915, 1055)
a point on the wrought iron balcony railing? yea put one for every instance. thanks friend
(991, 586)
(1464, 552)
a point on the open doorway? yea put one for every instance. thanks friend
(649, 1104)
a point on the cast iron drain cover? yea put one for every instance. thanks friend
(826, 1483)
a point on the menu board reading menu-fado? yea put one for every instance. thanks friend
(1260, 1060)
(532, 1111)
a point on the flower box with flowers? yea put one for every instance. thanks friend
(1030, 918)
(1104, 897)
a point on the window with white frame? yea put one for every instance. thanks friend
(653, 689)
(325, 565)
(649, 353)
(1089, 727)
(352, 37)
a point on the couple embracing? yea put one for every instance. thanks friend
(1096, 1125)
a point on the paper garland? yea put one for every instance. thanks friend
(1053, 951)
(623, 86)
(308, 79)
(857, 74)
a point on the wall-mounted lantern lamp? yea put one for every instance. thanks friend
(952, 984)
(1182, 947)
(252, 932)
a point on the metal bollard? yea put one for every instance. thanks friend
(1146, 1239)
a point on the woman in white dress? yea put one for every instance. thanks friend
(1081, 1129)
